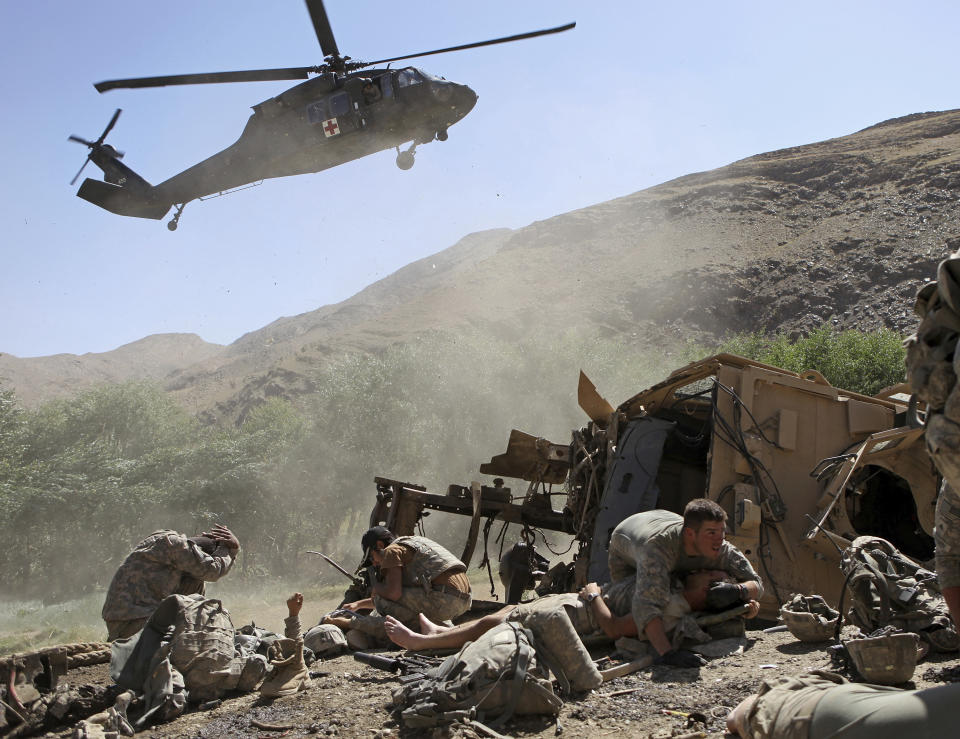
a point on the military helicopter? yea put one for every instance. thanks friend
(346, 111)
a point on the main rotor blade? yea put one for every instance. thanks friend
(491, 42)
(321, 26)
(252, 75)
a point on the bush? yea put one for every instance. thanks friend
(865, 363)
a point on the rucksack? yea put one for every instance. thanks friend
(201, 646)
(888, 589)
(489, 680)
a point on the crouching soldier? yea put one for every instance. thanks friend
(654, 546)
(165, 563)
(417, 576)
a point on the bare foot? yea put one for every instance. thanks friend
(401, 635)
(429, 627)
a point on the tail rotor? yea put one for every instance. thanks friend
(98, 145)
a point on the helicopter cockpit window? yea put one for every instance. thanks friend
(408, 77)
(339, 104)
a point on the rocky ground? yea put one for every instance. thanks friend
(349, 699)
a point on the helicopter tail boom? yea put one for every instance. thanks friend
(122, 201)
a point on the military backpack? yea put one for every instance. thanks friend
(887, 588)
(489, 680)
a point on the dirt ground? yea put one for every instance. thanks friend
(349, 699)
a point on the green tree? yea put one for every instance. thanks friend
(865, 362)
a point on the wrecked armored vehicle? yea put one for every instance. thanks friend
(801, 468)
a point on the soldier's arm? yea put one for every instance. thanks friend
(193, 561)
(652, 592)
(740, 569)
(291, 624)
(612, 626)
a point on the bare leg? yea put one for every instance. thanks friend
(402, 636)
(429, 627)
(448, 638)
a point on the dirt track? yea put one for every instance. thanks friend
(349, 699)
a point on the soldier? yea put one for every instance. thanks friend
(417, 576)
(820, 705)
(932, 364)
(655, 546)
(559, 621)
(596, 608)
(165, 563)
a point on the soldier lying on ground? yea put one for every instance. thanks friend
(165, 563)
(820, 705)
(417, 576)
(595, 608)
(653, 546)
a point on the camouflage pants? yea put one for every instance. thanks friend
(783, 708)
(630, 589)
(434, 604)
(556, 622)
(947, 537)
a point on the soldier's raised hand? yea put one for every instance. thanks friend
(225, 536)
(294, 604)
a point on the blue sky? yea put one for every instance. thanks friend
(637, 94)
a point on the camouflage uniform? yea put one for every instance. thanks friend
(421, 594)
(648, 547)
(932, 364)
(946, 535)
(821, 705)
(165, 563)
(557, 622)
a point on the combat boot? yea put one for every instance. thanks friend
(288, 673)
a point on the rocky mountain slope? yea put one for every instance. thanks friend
(156, 357)
(841, 230)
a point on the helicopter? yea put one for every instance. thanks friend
(345, 110)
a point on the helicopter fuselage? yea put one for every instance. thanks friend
(321, 123)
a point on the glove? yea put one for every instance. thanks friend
(680, 658)
(723, 595)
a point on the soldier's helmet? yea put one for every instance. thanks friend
(889, 659)
(809, 618)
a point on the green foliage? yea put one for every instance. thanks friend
(83, 479)
(853, 360)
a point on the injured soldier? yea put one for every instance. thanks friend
(820, 705)
(605, 609)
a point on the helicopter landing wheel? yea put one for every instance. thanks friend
(175, 221)
(405, 159)
(442, 134)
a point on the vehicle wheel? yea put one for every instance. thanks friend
(405, 159)
(442, 135)
(172, 225)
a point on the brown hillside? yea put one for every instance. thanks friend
(844, 229)
(156, 357)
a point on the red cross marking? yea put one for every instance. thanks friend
(330, 127)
